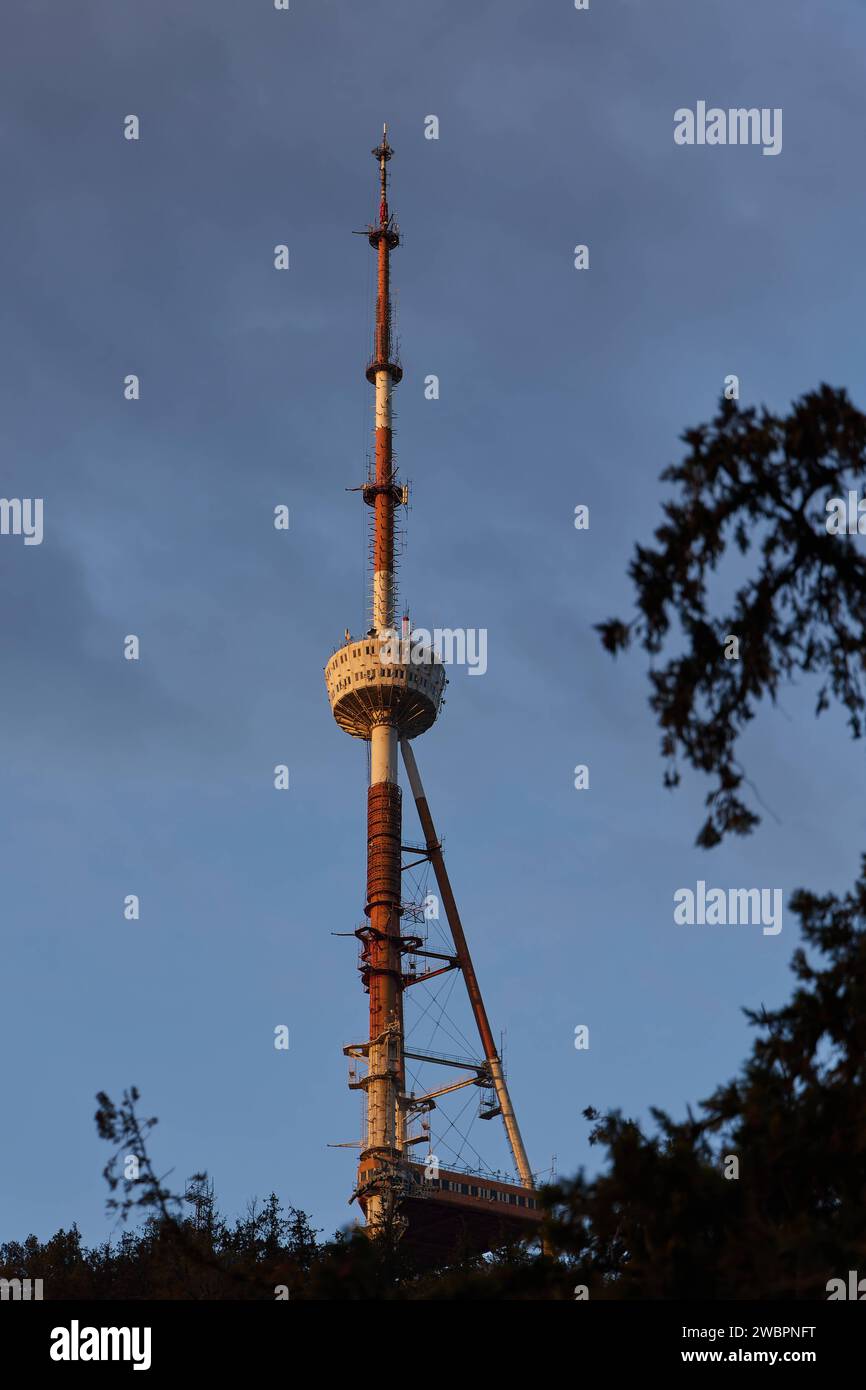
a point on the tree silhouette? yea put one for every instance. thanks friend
(663, 1221)
(759, 483)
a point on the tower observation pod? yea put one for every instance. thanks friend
(386, 689)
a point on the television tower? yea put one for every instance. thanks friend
(387, 690)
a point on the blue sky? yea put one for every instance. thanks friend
(558, 387)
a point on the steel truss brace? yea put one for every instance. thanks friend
(434, 853)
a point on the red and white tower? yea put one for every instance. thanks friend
(386, 690)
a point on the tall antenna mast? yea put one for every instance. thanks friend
(385, 1077)
(386, 690)
(384, 374)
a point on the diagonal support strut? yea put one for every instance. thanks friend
(434, 851)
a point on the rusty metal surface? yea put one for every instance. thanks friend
(384, 821)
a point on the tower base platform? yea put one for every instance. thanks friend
(464, 1213)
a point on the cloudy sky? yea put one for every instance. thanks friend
(558, 387)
